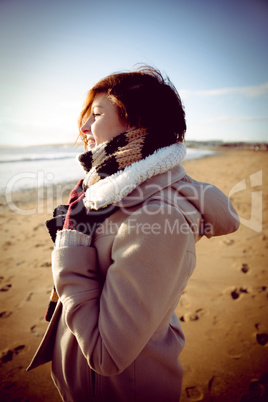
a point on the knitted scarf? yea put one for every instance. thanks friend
(115, 154)
(113, 169)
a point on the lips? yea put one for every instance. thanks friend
(90, 142)
(90, 138)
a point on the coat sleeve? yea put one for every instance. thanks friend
(151, 265)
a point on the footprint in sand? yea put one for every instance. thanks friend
(258, 390)
(245, 268)
(238, 291)
(29, 296)
(38, 245)
(235, 353)
(228, 242)
(6, 287)
(194, 393)
(7, 244)
(5, 314)
(34, 330)
(261, 289)
(40, 225)
(262, 339)
(45, 264)
(7, 355)
(193, 316)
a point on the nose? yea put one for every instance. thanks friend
(86, 128)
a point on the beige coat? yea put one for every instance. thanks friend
(114, 335)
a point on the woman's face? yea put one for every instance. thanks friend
(103, 123)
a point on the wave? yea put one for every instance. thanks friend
(35, 158)
(58, 156)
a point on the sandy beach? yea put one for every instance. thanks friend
(223, 310)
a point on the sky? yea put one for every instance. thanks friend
(52, 52)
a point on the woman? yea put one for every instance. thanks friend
(127, 246)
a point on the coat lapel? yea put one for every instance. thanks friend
(44, 352)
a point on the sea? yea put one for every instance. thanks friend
(24, 168)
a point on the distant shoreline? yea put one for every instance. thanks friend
(189, 144)
(214, 145)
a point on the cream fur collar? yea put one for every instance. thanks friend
(117, 186)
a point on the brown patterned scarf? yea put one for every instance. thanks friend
(116, 154)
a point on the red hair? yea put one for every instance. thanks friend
(144, 99)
